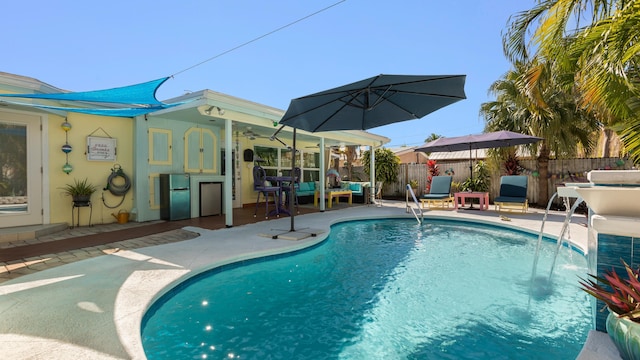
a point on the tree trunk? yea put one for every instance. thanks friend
(543, 179)
(606, 142)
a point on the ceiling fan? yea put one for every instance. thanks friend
(252, 135)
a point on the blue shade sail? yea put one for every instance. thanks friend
(118, 112)
(137, 94)
(141, 96)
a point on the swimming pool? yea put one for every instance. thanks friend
(380, 289)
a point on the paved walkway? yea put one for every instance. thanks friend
(15, 268)
(93, 309)
(22, 257)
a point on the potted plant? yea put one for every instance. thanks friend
(80, 191)
(414, 185)
(622, 297)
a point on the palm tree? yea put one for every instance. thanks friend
(432, 137)
(605, 57)
(602, 56)
(548, 24)
(350, 152)
(530, 101)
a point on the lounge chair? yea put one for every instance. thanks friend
(439, 194)
(513, 194)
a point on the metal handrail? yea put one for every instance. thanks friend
(413, 195)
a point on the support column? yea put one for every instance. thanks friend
(372, 172)
(323, 174)
(228, 174)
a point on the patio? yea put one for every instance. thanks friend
(93, 308)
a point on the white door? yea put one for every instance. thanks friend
(20, 174)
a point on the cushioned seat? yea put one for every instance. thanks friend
(357, 190)
(513, 194)
(439, 194)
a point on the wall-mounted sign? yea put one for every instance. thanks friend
(101, 148)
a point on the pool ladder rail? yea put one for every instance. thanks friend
(410, 206)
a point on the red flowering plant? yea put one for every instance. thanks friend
(432, 170)
(622, 296)
(512, 165)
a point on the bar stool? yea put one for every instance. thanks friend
(261, 185)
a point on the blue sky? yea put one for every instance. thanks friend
(82, 46)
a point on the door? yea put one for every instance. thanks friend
(20, 174)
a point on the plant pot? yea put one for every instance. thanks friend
(81, 200)
(625, 334)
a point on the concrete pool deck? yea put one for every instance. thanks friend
(93, 308)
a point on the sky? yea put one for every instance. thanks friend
(84, 45)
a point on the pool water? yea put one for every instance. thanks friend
(383, 289)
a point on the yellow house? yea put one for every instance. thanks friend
(44, 149)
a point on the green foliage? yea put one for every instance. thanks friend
(622, 296)
(79, 188)
(432, 137)
(596, 60)
(456, 187)
(413, 183)
(387, 165)
(481, 179)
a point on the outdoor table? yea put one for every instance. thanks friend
(482, 196)
(331, 194)
(283, 182)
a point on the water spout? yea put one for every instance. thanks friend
(565, 226)
(541, 287)
(533, 281)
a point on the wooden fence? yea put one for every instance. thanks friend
(560, 171)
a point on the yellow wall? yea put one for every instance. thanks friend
(97, 172)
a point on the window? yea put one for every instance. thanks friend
(275, 161)
(310, 166)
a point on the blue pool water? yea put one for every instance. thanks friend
(383, 289)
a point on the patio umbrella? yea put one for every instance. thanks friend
(478, 141)
(373, 102)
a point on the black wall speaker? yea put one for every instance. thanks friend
(248, 155)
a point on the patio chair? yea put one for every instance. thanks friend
(513, 194)
(262, 186)
(439, 194)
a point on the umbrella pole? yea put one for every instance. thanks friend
(470, 163)
(471, 171)
(292, 193)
